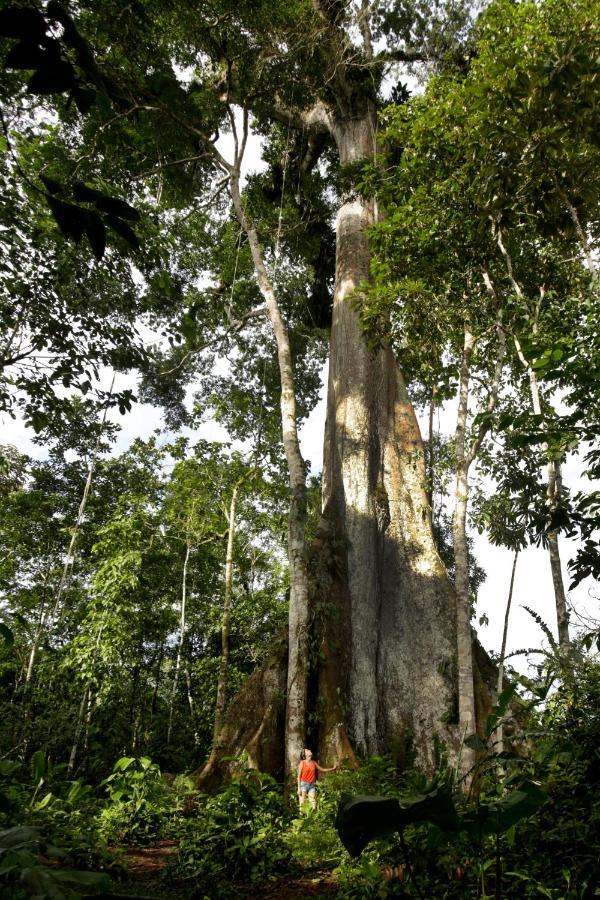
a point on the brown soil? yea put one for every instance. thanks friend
(313, 883)
(148, 862)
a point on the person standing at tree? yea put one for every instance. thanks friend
(307, 777)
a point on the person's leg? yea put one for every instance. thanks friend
(312, 796)
(302, 796)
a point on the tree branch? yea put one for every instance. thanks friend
(365, 27)
(403, 56)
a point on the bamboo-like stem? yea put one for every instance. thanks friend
(182, 627)
(499, 736)
(225, 618)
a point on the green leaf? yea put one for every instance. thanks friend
(38, 764)
(98, 881)
(96, 233)
(362, 819)
(22, 22)
(116, 207)
(500, 709)
(51, 184)
(84, 99)
(123, 763)
(19, 836)
(123, 229)
(43, 803)
(520, 804)
(29, 55)
(475, 743)
(111, 205)
(52, 79)
(7, 634)
(70, 219)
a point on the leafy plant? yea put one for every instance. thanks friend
(138, 801)
(30, 867)
(237, 834)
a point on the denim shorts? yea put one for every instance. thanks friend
(308, 786)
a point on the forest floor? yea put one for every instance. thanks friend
(145, 867)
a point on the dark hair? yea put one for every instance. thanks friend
(302, 754)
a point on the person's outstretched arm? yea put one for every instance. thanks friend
(321, 769)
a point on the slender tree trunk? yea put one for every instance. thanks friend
(298, 605)
(181, 637)
(78, 730)
(500, 686)
(39, 630)
(465, 455)
(225, 620)
(83, 707)
(562, 616)
(190, 697)
(88, 722)
(579, 231)
(161, 657)
(466, 694)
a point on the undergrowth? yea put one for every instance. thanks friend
(530, 827)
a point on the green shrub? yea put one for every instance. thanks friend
(139, 803)
(25, 873)
(236, 835)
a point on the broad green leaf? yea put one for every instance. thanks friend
(38, 764)
(7, 634)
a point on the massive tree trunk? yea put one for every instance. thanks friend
(401, 608)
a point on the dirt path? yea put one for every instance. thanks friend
(312, 883)
(145, 865)
(148, 862)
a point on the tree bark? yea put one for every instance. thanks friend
(225, 619)
(182, 610)
(466, 695)
(500, 686)
(78, 730)
(190, 697)
(562, 616)
(400, 607)
(431, 452)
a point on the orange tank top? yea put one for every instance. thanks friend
(308, 771)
